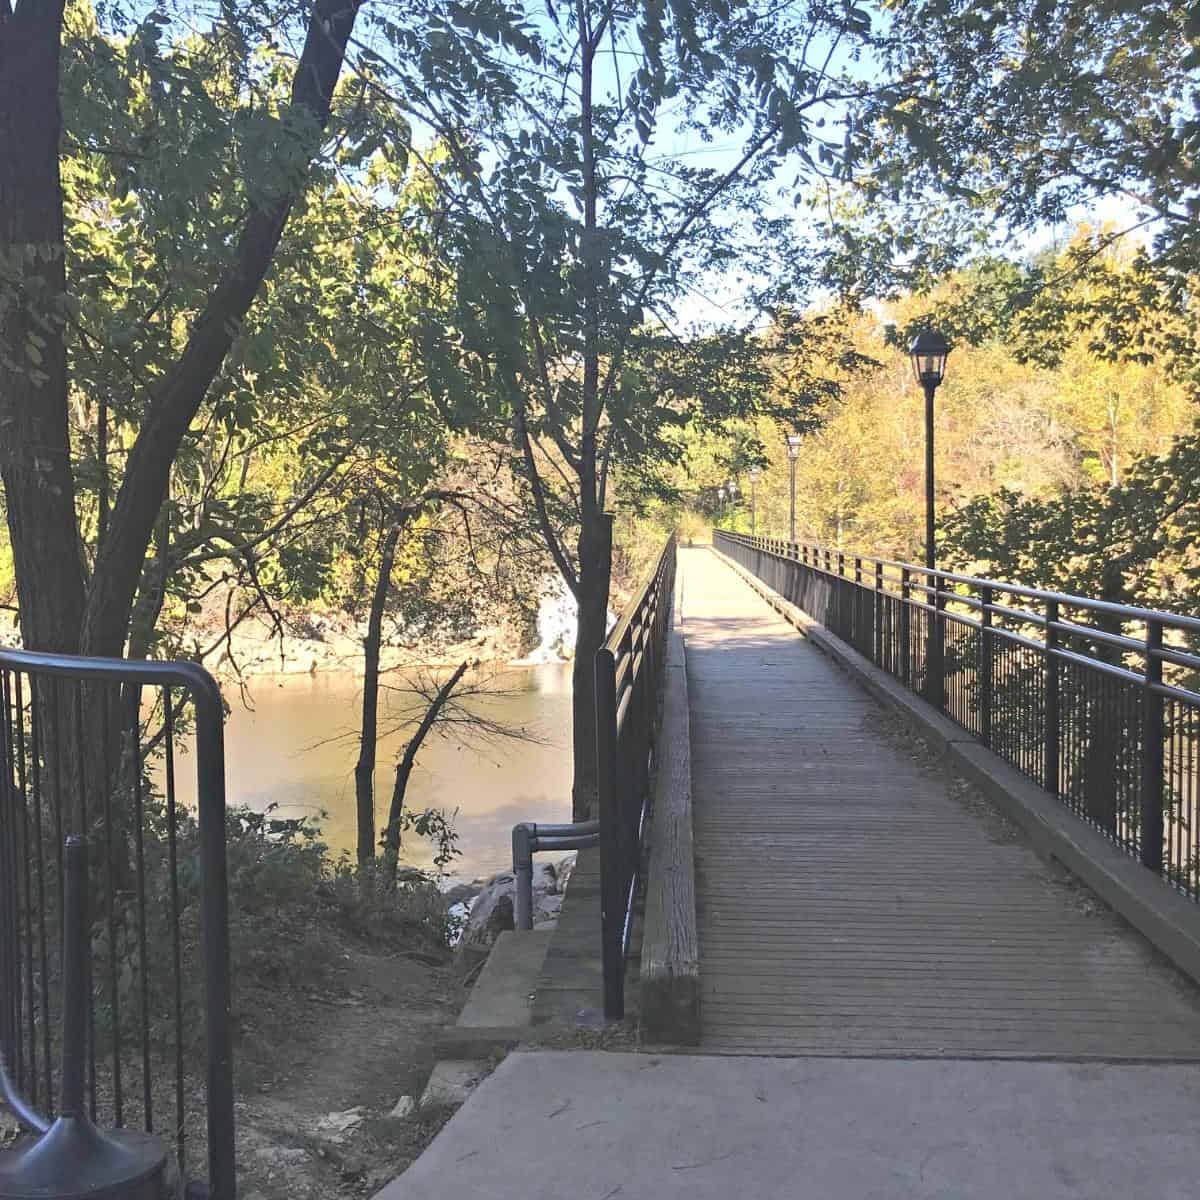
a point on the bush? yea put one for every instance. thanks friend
(291, 907)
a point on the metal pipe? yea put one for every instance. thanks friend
(522, 849)
(527, 839)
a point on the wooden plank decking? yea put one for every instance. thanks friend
(854, 900)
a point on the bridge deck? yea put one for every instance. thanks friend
(855, 899)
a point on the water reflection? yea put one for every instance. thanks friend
(296, 748)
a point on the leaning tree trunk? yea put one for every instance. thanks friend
(364, 769)
(58, 611)
(391, 834)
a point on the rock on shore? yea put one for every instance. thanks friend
(492, 902)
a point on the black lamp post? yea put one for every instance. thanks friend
(754, 474)
(928, 351)
(793, 444)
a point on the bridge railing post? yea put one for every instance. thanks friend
(611, 869)
(905, 627)
(1152, 750)
(1053, 716)
(856, 596)
(985, 667)
(840, 628)
(935, 683)
(878, 614)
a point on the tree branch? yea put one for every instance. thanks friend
(175, 402)
(561, 561)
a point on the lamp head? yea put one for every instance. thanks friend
(928, 352)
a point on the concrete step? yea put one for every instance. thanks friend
(495, 1018)
(503, 993)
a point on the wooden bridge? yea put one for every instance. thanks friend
(854, 898)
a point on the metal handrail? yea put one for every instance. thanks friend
(628, 679)
(531, 837)
(34, 726)
(1082, 709)
(1127, 612)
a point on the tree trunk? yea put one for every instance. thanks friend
(364, 769)
(595, 569)
(35, 450)
(595, 526)
(176, 400)
(391, 834)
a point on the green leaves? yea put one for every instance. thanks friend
(1023, 111)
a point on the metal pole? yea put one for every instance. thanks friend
(522, 851)
(753, 508)
(210, 782)
(878, 614)
(930, 388)
(75, 948)
(1152, 750)
(985, 666)
(611, 868)
(792, 506)
(1053, 721)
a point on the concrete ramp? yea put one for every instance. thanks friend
(597, 1126)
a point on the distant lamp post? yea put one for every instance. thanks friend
(754, 474)
(793, 454)
(928, 352)
(721, 509)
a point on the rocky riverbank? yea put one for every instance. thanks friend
(487, 906)
(306, 642)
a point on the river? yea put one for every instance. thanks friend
(294, 745)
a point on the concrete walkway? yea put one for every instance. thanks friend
(853, 901)
(592, 1126)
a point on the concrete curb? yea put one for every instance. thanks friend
(1168, 920)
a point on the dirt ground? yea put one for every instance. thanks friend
(320, 1072)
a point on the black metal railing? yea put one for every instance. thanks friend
(89, 748)
(1096, 702)
(629, 672)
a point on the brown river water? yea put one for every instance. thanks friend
(296, 746)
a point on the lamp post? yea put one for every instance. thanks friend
(793, 444)
(928, 352)
(754, 474)
(721, 508)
